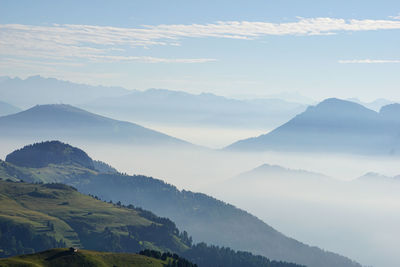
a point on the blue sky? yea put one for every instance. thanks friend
(234, 48)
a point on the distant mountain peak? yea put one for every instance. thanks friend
(340, 105)
(377, 177)
(60, 113)
(60, 107)
(269, 169)
(334, 125)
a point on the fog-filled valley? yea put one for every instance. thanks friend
(339, 213)
(319, 199)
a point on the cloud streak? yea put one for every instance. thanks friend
(369, 61)
(113, 44)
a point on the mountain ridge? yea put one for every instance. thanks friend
(333, 125)
(272, 170)
(40, 90)
(61, 121)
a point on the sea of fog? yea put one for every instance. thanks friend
(356, 219)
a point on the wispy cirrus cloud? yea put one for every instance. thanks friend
(369, 61)
(395, 17)
(111, 44)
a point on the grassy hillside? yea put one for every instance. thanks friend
(36, 217)
(62, 257)
(61, 216)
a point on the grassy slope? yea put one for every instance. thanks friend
(51, 173)
(62, 257)
(38, 204)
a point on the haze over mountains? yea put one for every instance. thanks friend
(151, 106)
(36, 90)
(286, 198)
(378, 178)
(159, 108)
(206, 218)
(208, 133)
(375, 105)
(180, 108)
(333, 125)
(60, 121)
(268, 171)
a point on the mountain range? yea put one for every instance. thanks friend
(180, 108)
(333, 125)
(35, 90)
(205, 218)
(159, 106)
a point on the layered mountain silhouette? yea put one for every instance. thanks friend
(153, 105)
(180, 108)
(205, 218)
(59, 121)
(376, 105)
(268, 171)
(333, 125)
(35, 90)
(6, 109)
(377, 177)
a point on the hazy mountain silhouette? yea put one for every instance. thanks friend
(44, 122)
(333, 125)
(152, 105)
(377, 177)
(267, 171)
(375, 105)
(35, 90)
(180, 108)
(391, 113)
(6, 109)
